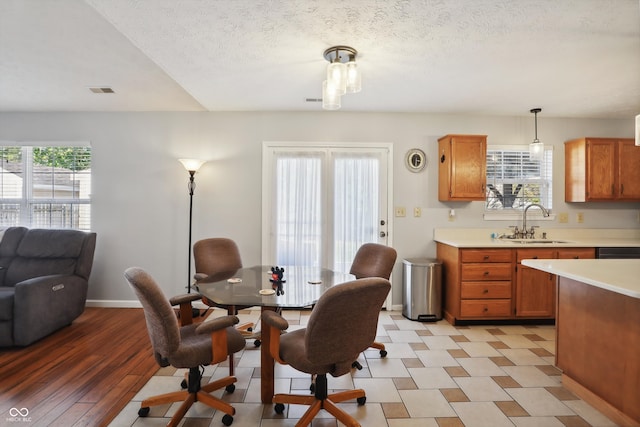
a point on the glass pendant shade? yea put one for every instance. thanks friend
(337, 75)
(354, 79)
(192, 164)
(330, 96)
(536, 149)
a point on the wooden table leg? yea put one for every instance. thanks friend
(266, 363)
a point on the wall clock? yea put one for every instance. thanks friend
(416, 160)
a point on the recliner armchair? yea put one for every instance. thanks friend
(187, 346)
(342, 324)
(44, 275)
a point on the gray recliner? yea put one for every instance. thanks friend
(44, 276)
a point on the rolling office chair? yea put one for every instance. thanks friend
(373, 260)
(216, 259)
(188, 346)
(342, 324)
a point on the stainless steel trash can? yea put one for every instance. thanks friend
(422, 289)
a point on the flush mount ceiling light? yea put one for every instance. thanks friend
(536, 148)
(343, 76)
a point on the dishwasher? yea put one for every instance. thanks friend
(618, 253)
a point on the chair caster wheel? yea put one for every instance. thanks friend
(279, 408)
(227, 419)
(357, 365)
(230, 389)
(184, 384)
(383, 353)
(143, 412)
(361, 400)
(257, 343)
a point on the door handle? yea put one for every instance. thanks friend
(383, 234)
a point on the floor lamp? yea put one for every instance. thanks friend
(192, 166)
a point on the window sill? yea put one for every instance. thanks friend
(515, 216)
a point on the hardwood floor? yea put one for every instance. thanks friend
(82, 375)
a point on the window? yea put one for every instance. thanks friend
(514, 180)
(45, 187)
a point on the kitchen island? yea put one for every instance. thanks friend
(598, 332)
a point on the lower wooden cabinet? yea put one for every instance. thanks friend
(492, 284)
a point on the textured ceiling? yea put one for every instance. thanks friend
(573, 58)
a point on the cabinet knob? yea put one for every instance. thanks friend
(535, 257)
(486, 273)
(486, 291)
(576, 257)
(486, 309)
(486, 257)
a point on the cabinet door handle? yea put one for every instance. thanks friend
(621, 189)
(576, 257)
(535, 257)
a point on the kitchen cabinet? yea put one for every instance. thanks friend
(536, 290)
(602, 169)
(491, 284)
(462, 174)
(477, 283)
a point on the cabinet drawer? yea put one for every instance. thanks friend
(486, 255)
(485, 290)
(577, 253)
(535, 254)
(487, 271)
(485, 308)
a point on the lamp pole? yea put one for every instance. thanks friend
(192, 166)
(192, 187)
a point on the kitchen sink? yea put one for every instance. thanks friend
(537, 241)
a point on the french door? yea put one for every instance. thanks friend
(322, 202)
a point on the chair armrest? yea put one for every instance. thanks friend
(219, 323)
(218, 329)
(181, 299)
(186, 310)
(274, 320)
(274, 324)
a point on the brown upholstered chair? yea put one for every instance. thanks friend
(342, 324)
(373, 260)
(218, 258)
(188, 346)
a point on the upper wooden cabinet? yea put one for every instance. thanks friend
(462, 167)
(602, 169)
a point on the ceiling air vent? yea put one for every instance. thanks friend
(101, 90)
(313, 100)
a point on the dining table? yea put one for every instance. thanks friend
(270, 288)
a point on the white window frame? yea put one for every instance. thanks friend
(27, 199)
(516, 213)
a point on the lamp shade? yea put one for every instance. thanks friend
(354, 79)
(536, 149)
(192, 164)
(330, 96)
(337, 76)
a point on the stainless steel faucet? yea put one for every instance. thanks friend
(530, 233)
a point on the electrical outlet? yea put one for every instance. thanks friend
(563, 217)
(417, 212)
(580, 217)
(401, 211)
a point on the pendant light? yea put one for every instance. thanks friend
(536, 148)
(343, 76)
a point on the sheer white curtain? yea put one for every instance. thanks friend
(356, 201)
(298, 207)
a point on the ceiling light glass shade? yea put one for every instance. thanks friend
(354, 78)
(337, 76)
(330, 96)
(192, 164)
(536, 150)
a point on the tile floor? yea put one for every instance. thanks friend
(435, 375)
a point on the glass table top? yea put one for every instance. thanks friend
(301, 287)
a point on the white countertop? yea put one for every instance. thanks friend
(618, 275)
(594, 238)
